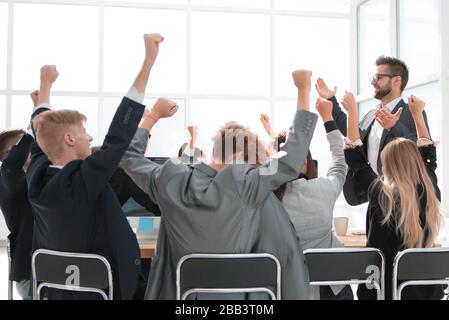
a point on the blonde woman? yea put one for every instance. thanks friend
(404, 206)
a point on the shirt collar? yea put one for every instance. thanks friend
(390, 106)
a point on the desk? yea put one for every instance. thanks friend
(353, 241)
(147, 249)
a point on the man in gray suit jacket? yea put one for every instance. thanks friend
(226, 207)
(389, 120)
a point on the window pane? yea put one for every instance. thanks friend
(153, 1)
(259, 4)
(3, 43)
(230, 58)
(57, 36)
(316, 5)
(420, 37)
(324, 49)
(22, 107)
(284, 113)
(210, 115)
(374, 39)
(124, 48)
(167, 136)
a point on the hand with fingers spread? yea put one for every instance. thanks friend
(35, 97)
(386, 119)
(265, 120)
(323, 90)
(324, 108)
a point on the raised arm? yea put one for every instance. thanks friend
(337, 113)
(258, 183)
(142, 171)
(338, 169)
(98, 168)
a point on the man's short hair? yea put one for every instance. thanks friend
(8, 138)
(50, 127)
(235, 139)
(397, 67)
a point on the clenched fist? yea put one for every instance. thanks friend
(164, 108)
(324, 108)
(349, 102)
(416, 105)
(303, 79)
(152, 42)
(49, 74)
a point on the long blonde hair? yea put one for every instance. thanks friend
(403, 171)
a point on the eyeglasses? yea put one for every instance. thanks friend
(379, 76)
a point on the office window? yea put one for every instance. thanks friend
(316, 5)
(374, 39)
(419, 37)
(230, 53)
(124, 51)
(56, 34)
(210, 115)
(254, 4)
(171, 2)
(3, 43)
(324, 49)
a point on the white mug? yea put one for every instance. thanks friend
(341, 225)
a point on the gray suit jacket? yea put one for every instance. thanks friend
(231, 211)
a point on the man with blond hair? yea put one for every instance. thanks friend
(227, 206)
(75, 208)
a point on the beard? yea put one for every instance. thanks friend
(382, 93)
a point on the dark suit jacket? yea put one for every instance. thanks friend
(354, 193)
(125, 188)
(17, 209)
(384, 236)
(77, 211)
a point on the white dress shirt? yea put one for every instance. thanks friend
(376, 135)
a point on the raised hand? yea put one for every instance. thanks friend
(324, 108)
(164, 108)
(35, 97)
(349, 102)
(193, 131)
(303, 79)
(416, 105)
(265, 120)
(49, 74)
(386, 119)
(152, 42)
(323, 90)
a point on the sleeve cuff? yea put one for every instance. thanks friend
(134, 95)
(330, 126)
(349, 144)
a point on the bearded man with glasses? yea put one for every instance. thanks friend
(389, 120)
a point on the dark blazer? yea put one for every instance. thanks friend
(354, 194)
(17, 209)
(384, 236)
(77, 211)
(125, 188)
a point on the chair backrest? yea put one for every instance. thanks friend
(337, 266)
(228, 273)
(416, 267)
(8, 252)
(71, 271)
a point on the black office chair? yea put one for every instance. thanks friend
(337, 266)
(10, 282)
(72, 272)
(228, 273)
(419, 267)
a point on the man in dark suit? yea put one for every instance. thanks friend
(74, 206)
(14, 154)
(389, 120)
